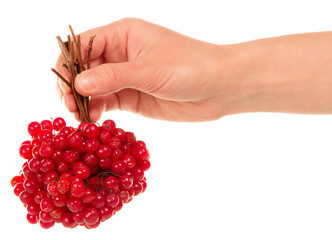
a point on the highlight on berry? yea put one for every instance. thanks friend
(79, 176)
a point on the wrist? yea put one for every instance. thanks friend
(238, 78)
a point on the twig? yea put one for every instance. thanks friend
(89, 49)
(61, 77)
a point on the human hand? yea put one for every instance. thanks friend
(150, 70)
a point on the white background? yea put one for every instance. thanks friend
(247, 176)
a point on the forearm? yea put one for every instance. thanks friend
(290, 74)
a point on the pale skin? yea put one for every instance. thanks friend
(147, 69)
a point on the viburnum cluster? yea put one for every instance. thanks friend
(79, 176)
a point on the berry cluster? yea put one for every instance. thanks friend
(79, 176)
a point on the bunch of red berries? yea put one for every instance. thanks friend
(79, 176)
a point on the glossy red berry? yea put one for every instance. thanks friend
(91, 216)
(74, 204)
(45, 135)
(45, 217)
(33, 219)
(46, 124)
(34, 129)
(91, 131)
(75, 139)
(16, 179)
(109, 124)
(58, 123)
(111, 183)
(47, 205)
(26, 151)
(77, 189)
(118, 167)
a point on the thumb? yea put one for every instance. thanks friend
(107, 78)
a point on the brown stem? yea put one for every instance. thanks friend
(89, 49)
(61, 77)
(78, 51)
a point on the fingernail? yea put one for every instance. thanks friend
(86, 81)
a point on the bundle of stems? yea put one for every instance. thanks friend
(71, 50)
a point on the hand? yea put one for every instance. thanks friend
(150, 70)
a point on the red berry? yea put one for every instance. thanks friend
(91, 216)
(26, 197)
(60, 200)
(137, 187)
(39, 195)
(145, 165)
(70, 156)
(138, 173)
(47, 205)
(33, 219)
(58, 212)
(142, 153)
(98, 201)
(144, 185)
(89, 196)
(105, 136)
(46, 165)
(31, 185)
(91, 131)
(45, 217)
(94, 182)
(75, 139)
(111, 183)
(49, 177)
(58, 123)
(26, 151)
(120, 134)
(16, 179)
(46, 124)
(116, 154)
(81, 170)
(129, 161)
(65, 131)
(62, 167)
(78, 217)
(34, 129)
(68, 221)
(91, 145)
(115, 142)
(118, 167)
(45, 134)
(105, 163)
(104, 151)
(90, 159)
(112, 200)
(63, 186)
(33, 208)
(109, 124)
(119, 206)
(46, 151)
(82, 125)
(125, 181)
(34, 164)
(46, 225)
(59, 142)
(105, 213)
(74, 204)
(77, 189)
